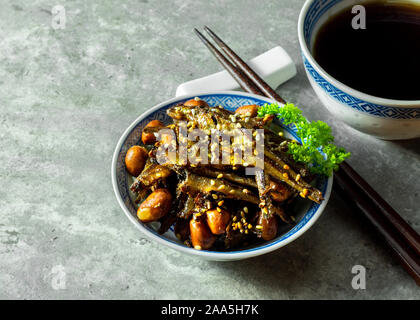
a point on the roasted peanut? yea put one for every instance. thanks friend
(217, 221)
(248, 110)
(269, 227)
(279, 192)
(135, 159)
(149, 137)
(201, 236)
(195, 103)
(156, 205)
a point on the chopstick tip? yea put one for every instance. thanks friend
(198, 32)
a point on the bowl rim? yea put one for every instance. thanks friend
(409, 104)
(212, 255)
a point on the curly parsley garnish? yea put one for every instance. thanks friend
(315, 136)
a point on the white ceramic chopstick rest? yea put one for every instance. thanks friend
(275, 66)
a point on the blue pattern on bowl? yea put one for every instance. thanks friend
(230, 102)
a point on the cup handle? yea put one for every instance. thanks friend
(275, 66)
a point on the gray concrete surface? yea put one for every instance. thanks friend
(66, 97)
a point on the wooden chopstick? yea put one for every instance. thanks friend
(407, 256)
(241, 65)
(408, 233)
(403, 240)
(242, 80)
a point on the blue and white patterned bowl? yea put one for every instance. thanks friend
(306, 212)
(383, 118)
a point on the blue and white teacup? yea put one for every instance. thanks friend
(383, 118)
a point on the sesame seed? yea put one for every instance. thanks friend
(218, 209)
(298, 177)
(245, 164)
(239, 224)
(246, 231)
(302, 195)
(242, 214)
(198, 214)
(246, 209)
(259, 227)
(249, 226)
(197, 99)
(286, 167)
(214, 196)
(220, 203)
(285, 175)
(212, 182)
(305, 192)
(245, 191)
(197, 247)
(281, 133)
(232, 191)
(219, 176)
(235, 218)
(221, 187)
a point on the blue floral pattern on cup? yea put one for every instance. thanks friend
(358, 104)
